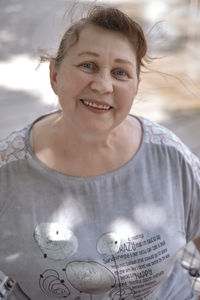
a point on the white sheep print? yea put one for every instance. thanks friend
(109, 237)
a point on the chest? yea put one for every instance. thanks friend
(91, 240)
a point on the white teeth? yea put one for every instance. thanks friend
(92, 104)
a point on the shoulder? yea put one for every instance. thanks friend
(160, 136)
(14, 147)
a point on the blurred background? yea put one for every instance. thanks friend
(169, 93)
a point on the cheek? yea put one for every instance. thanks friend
(132, 90)
(67, 86)
(74, 82)
(128, 93)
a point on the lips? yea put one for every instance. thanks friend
(96, 104)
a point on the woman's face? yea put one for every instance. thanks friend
(97, 81)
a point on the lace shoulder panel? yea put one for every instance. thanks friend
(157, 134)
(13, 147)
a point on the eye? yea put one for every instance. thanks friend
(88, 66)
(120, 73)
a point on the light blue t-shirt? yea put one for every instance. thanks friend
(109, 237)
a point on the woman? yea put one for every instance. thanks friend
(95, 202)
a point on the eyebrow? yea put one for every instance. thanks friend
(119, 60)
(125, 61)
(89, 53)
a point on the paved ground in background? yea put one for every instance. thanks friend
(187, 127)
(24, 26)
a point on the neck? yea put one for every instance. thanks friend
(86, 140)
(68, 151)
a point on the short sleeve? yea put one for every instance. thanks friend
(191, 189)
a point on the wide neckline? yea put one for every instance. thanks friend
(56, 173)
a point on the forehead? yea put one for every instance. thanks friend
(103, 41)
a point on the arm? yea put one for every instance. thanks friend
(197, 243)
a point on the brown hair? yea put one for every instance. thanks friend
(107, 18)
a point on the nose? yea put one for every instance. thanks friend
(102, 83)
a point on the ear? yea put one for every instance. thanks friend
(53, 72)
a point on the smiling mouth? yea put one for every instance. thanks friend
(95, 105)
